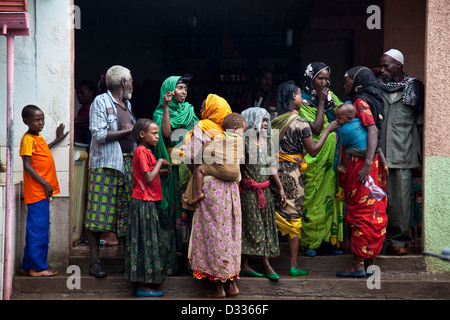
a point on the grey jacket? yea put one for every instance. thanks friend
(400, 141)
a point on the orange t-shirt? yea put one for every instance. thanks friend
(42, 162)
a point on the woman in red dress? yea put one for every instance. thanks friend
(366, 215)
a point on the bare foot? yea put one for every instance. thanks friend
(199, 197)
(110, 238)
(232, 289)
(217, 292)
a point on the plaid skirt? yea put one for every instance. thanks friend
(109, 196)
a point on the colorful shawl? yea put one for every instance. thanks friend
(309, 93)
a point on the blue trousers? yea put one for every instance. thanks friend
(37, 236)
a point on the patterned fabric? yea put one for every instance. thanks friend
(150, 254)
(365, 86)
(259, 229)
(216, 231)
(291, 227)
(323, 212)
(366, 215)
(291, 177)
(109, 194)
(309, 94)
(412, 91)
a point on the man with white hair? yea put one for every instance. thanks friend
(400, 142)
(110, 162)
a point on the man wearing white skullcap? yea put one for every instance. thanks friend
(400, 142)
(396, 54)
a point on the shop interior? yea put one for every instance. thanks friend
(222, 45)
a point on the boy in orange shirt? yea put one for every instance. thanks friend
(39, 184)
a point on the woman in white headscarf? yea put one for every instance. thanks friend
(259, 228)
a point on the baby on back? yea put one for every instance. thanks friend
(353, 136)
(352, 133)
(221, 158)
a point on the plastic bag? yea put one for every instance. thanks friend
(377, 192)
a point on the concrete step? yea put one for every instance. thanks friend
(400, 278)
(403, 277)
(316, 285)
(113, 261)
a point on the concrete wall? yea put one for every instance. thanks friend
(437, 135)
(43, 76)
(404, 29)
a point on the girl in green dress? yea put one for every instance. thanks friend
(150, 254)
(259, 228)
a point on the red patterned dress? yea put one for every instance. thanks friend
(366, 215)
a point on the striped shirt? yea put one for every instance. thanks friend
(103, 117)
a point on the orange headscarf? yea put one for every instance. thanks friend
(216, 109)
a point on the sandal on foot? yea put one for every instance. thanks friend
(148, 293)
(245, 273)
(297, 272)
(310, 252)
(351, 274)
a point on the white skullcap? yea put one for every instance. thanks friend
(396, 54)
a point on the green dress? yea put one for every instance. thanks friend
(150, 256)
(322, 211)
(259, 228)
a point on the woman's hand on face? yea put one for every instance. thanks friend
(168, 97)
(322, 94)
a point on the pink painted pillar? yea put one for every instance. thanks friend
(7, 277)
(13, 24)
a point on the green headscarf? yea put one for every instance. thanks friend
(181, 115)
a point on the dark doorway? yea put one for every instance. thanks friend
(222, 44)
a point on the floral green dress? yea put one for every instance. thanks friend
(259, 228)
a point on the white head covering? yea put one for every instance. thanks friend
(395, 54)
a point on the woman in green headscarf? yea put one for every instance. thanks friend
(175, 117)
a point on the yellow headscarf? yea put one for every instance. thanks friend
(216, 109)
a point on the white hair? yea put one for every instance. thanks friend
(114, 76)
